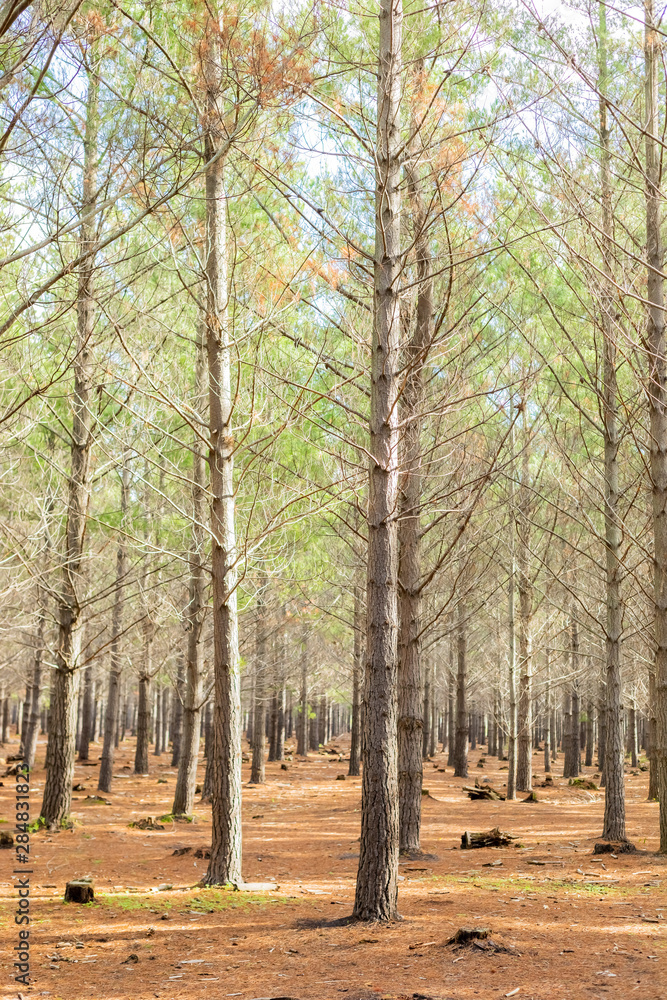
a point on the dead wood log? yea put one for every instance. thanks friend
(483, 792)
(492, 838)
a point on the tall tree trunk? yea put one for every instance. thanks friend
(87, 713)
(461, 741)
(513, 716)
(357, 680)
(144, 710)
(159, 706)
(225, 863)
(576, 730)
(657, 400)
(186, 781)
(652, 729)
(524, 764)
(614, 812)
(302, 728)
(547, 713)
(177, 712)
(412, 708)
(281, 668)
(433, 732)
(115, 664)
(376, 895)
(451, 709)
(259, 725)
(33, 711)
(632, 734)
(567, 736)
(590, 734)
(57, 797)
(209, 753)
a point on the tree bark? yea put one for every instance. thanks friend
(257, 774)
(115, 663)
(57, 797)
(451, 711)
(461, 741)
(33, 712)
(186, 781)
(412, 707)
(376, 896)
(88, 715)
(614, 814)
(302, 729)
(144, 710)
(177, 712)
(513, 716)
(590, 734)
(357, 678)
(657, 400)
(225, 863)
(524, 765)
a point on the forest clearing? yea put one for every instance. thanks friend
(576, 925)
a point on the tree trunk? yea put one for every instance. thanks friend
(144, 711)
(177, 712)
(225, 862)
(652, 730)
(590, 734)
(357, 682)
(513, 717)
(567, 736)
(433, 731)
(57, 797)
(632, 735)
(186, 781)
(451, 710)
(547, 713)
(259, 730)
(87, 714)
(302, 728)
(209, 753)
(524, 765)
(159, 707)
(281, 652)
(576, 731)
(32, 726)
(614, 814)
(376, 895)
(657, 400)
(461, 741)
(115, 664)
(413, 708)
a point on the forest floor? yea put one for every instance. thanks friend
(581, 926)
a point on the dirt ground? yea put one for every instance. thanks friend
(576, 925)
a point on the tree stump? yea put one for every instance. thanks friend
(79, 891)
(614, 847)
(465, 935)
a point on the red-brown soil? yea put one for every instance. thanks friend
(584, 927)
